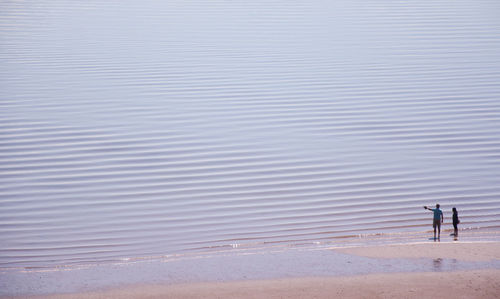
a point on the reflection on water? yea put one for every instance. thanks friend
(437, 264)
(132, 129)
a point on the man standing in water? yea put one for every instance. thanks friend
(438, 219)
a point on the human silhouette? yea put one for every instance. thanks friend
(437, 220)
(456, 221)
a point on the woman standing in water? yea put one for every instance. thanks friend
(456, 221)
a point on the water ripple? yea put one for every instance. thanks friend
(144, 129)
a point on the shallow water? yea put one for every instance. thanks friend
(275, 261)
(136, 129)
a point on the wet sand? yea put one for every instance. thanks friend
(472, 251)
(464, 284)
(476, 283)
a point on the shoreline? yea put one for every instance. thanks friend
(467, 235)
(373, 268)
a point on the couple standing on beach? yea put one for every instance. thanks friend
(439, 218)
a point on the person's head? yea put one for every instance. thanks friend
(437, 206)
(454, 210)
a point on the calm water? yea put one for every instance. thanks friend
(146, 128)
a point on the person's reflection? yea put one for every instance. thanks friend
(437, 263)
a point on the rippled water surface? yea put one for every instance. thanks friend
(146, 128)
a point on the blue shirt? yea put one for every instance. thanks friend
(437, 214)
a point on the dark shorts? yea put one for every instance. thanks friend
(436, 222)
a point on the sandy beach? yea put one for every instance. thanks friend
(476, 283)
(469, 284)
